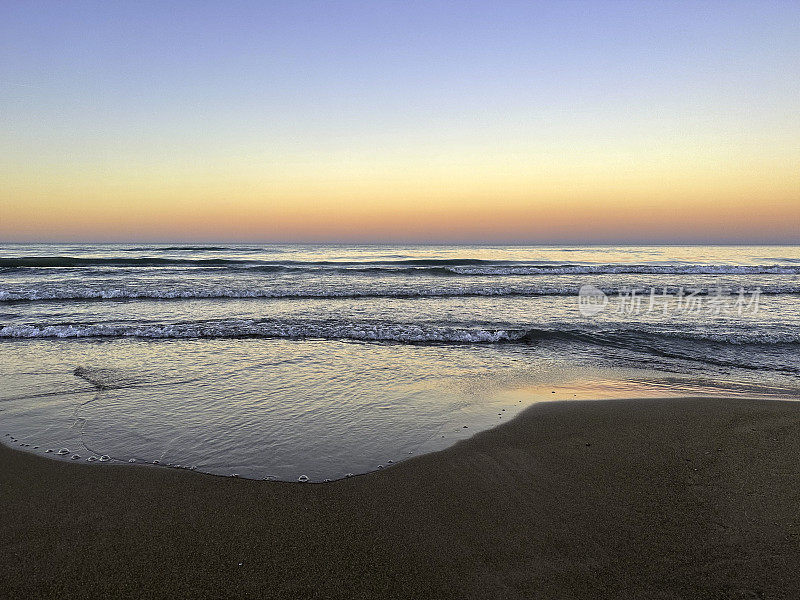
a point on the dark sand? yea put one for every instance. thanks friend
(613, 499)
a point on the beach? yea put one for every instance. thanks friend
(655, 498)
(390, 300)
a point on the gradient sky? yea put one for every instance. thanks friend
(400, 121)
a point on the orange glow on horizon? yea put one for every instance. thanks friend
(491, 203)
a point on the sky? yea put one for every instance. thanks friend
(537, 122)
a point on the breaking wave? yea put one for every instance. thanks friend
(301, 294)
(381, 331)
(407, 333)
(441, 267)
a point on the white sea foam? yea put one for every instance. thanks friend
(365, 290)
(626, 269)
(409, 333)
(389, 332)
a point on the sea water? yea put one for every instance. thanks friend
(276, 361)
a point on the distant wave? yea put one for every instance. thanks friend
(123, 261)
(114, 294)
(631, 269)
(277, 294)
(70, 261)
(445, 267)
(496, 270)
(179, 248)
(201, 248)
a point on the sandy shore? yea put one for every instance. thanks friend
(621, 499)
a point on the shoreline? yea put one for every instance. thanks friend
(37, 451)
(574, 499)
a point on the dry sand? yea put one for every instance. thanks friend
(614, 499)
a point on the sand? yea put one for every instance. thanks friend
(689, 498)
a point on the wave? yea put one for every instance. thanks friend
(446, 267)
(744, 349)
(407, 333)
(99, 295)
(495, 270)
(122, 261)
(752, 349)
(397, 332)
(278, 294)
(71, 261)
(630, 269)
(201, 248)
(179, 248)
(631, 336)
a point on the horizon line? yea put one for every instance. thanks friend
(178, 242)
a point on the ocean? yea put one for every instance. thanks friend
(323, 361)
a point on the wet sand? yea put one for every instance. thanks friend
(689, 498)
